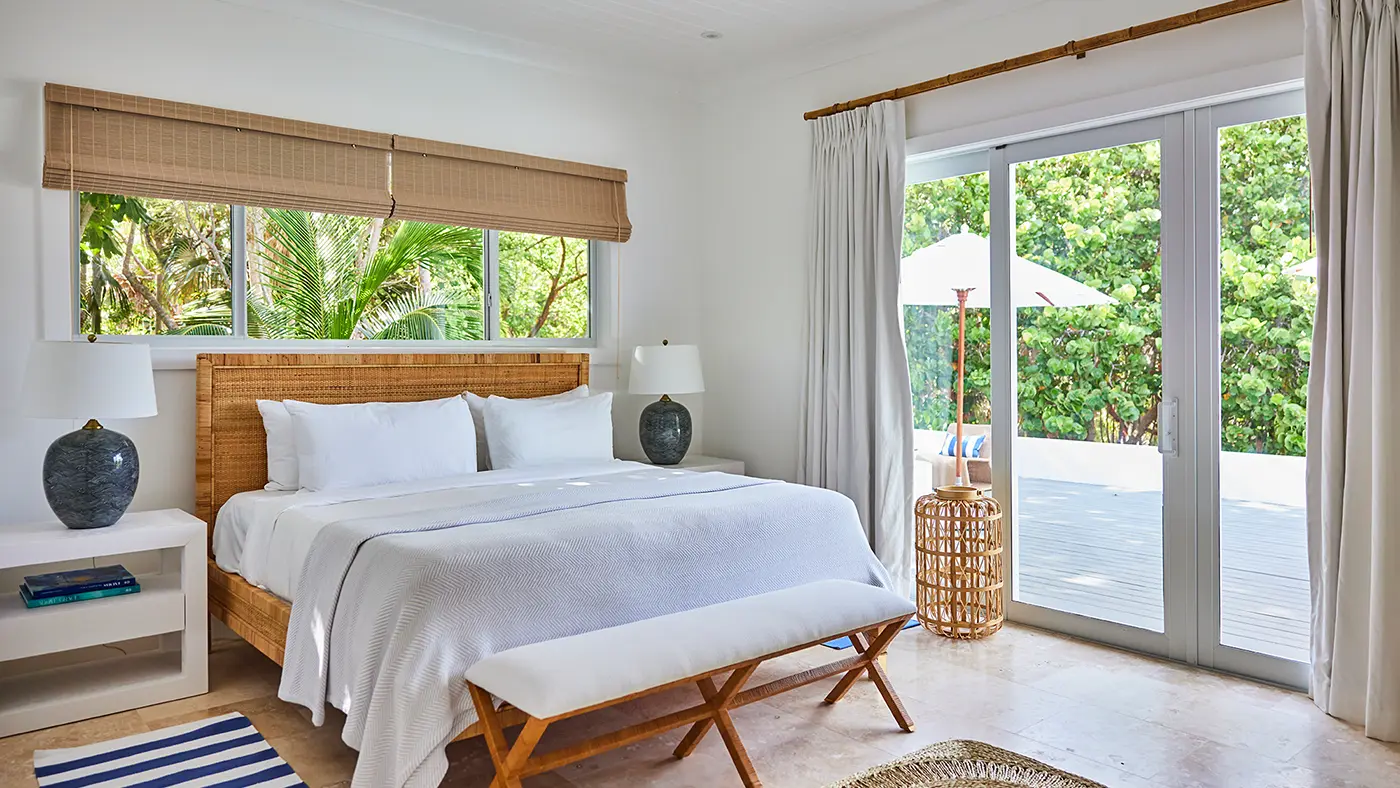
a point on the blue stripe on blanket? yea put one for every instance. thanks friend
(841, 643)
(226, 752)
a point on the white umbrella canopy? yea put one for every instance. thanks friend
(1306, 269)
(930, 277)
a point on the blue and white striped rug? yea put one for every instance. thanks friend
(220, 752)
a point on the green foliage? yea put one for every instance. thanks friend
(1267, 321)
(144, 263)
(326, 276)
(544, 286)
(1094, 373)
(151, 266)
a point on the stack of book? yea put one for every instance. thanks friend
(76, 585)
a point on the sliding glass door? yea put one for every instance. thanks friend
(1139, 364)
(1090, 361)
(1258, 286)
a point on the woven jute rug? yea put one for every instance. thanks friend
(965, 764)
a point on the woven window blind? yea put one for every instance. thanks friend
(117, 144)
(458, 184)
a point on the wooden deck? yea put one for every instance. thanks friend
(1097, 551)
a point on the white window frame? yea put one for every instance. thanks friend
(179, 351)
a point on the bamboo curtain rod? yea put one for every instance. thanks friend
(1075, 49)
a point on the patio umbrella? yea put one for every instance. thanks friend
(957, 271)
(1306, 269)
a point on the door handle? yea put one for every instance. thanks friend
(1166, 427)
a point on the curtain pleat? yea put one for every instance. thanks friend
(1352, 56)
(857, 436)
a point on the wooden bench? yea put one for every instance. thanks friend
(563, 678)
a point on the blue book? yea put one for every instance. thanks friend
(78, 581)
(30, 601)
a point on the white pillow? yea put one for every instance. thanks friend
(372, 443)
(281, 446)
(478, 406)
(524, 433)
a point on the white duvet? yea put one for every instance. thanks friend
(404, 588)
(264, 536)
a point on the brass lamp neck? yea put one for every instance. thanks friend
(92, 425)
(665, 397)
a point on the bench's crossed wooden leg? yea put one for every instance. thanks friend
(872, 651)
(509, 759)
(718, 700)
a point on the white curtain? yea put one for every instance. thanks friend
(858, 416)
(1353, 97)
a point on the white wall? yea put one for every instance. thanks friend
(243, 58)
(718, 186)
(757, 152)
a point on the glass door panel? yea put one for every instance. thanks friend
(1087, 287)
(945, 231)
(1268, 294)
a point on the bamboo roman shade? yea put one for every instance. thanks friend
(477, 187)
(118, 144)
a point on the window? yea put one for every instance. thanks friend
(936, 210)
(171, 267)
(543, 285)
(153, 267)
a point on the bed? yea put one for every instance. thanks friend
(231, 453)
(407, 587)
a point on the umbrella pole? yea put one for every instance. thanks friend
(960, 462)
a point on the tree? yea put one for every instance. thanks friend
(1094, 373)
(153, 266)
(326, 276)
(100, 293)
(544, 285)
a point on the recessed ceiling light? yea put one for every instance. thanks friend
(711, 34)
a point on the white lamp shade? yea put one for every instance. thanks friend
(666, 369)
(89, 380)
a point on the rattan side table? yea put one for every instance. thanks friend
(958, 545)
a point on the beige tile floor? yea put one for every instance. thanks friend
(1124, 720)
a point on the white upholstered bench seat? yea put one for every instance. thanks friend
(556, 679)
(560, 676)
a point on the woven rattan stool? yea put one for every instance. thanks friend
(958, 541)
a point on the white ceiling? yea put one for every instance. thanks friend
(654, 35)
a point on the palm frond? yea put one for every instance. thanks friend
(409, 315)
(417, 245)
(269, 321)
(295, 273)
(314, 286)
(202, 330)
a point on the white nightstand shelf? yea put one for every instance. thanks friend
(173, 601)
(701, 463)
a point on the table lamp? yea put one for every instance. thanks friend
(90, 474)
(665, 369)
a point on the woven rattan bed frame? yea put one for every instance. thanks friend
(231, 449)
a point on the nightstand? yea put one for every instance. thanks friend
(701, 463)
(171, 604)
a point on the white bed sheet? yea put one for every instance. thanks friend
(264, 536)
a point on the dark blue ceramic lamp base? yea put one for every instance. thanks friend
(665, 431)
(90, 477)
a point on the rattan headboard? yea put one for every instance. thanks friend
(230, 445)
